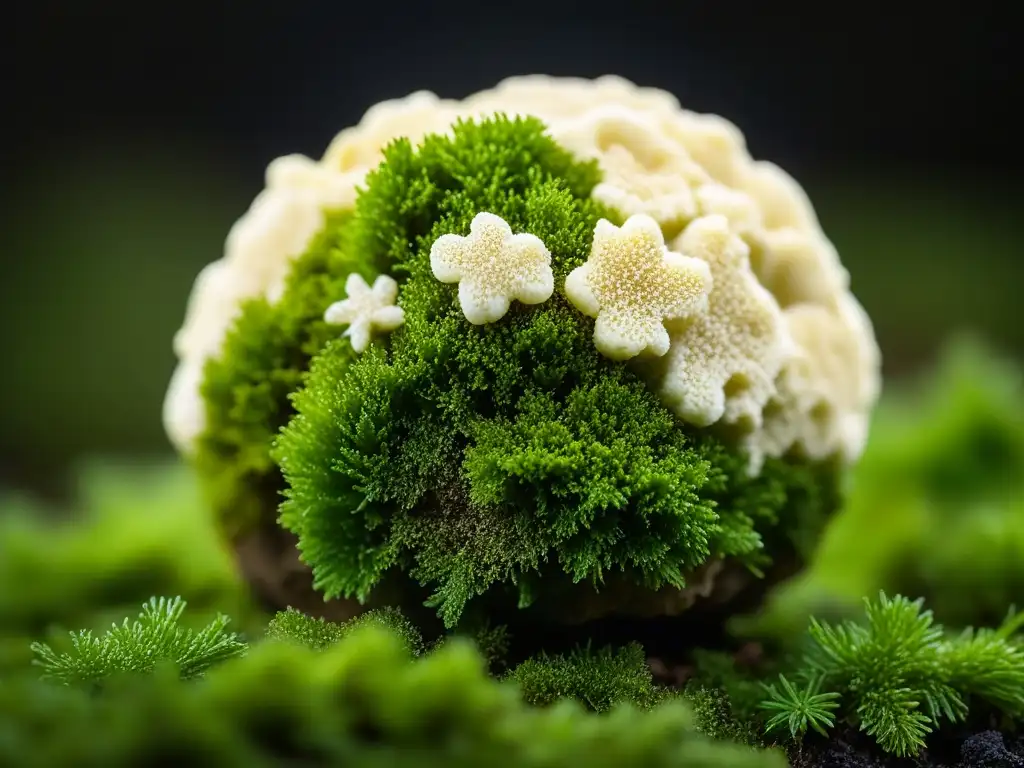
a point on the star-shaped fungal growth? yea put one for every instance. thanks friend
(366, 309)
(724, 363)
(493, 267)
(631, 283)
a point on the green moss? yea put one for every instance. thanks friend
(714, 716)
(476, 457)
(265, 356)
(155, 639)
(898, 676)
(363, 701)
(599, 679)
(318, 634)
(131, 532)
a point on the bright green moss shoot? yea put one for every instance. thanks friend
(266, 353)
(473, 456)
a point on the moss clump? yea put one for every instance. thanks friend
(936, 507)
(714, 716)
(131, 532)
(363, 701)
(897, 676)
(316, 633)
(478, 457)
(265, 356)
(599, 679)
(960, 466)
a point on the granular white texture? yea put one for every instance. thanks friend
(723, 363)
(366, 309)
(632, 284)
(658, 159)
(493, 267)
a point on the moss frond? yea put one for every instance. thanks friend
(599, 679)
(362, 701)
(155, 638)
(898, 676)
(137, 532)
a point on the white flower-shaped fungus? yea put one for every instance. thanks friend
(632, 283)
(366, 309)
(493, 267)
(723, 363)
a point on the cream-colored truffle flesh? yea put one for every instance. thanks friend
(827, 389)
(723, 363)
(659, 160)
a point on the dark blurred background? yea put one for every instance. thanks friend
(142, 133)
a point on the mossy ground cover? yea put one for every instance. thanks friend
(138, 532)
(495, 467)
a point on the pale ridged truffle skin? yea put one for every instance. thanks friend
(259, 248)
(659, 160)
(632, 284)
(723, 364)
(493, 268)
(644, 172)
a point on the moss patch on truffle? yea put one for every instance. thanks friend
(473, 456)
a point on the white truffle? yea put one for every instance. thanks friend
(366, 309)
(631, 283)
(723, 363)
(643, 172)
(659, 159)
(827, 387)
(493, 267)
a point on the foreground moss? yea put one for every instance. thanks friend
(132, 532)
(363, 701)
(898, 677)
(600, 679)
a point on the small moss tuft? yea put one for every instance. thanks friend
(295, 627)
(599, 679)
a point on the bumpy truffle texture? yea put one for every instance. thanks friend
(790, 255)
(724, 362)
(366, 309)
(358, 148)
(826, 389)
(493, 267)
(739, 208)
(259, 248)
(631, 283)
(555, 98)
(644, 171)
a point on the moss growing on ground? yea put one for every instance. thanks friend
(362, 701)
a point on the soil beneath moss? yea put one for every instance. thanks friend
(269, 560)
(978, 745)
(949, 748)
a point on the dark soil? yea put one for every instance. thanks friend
(953, 749)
